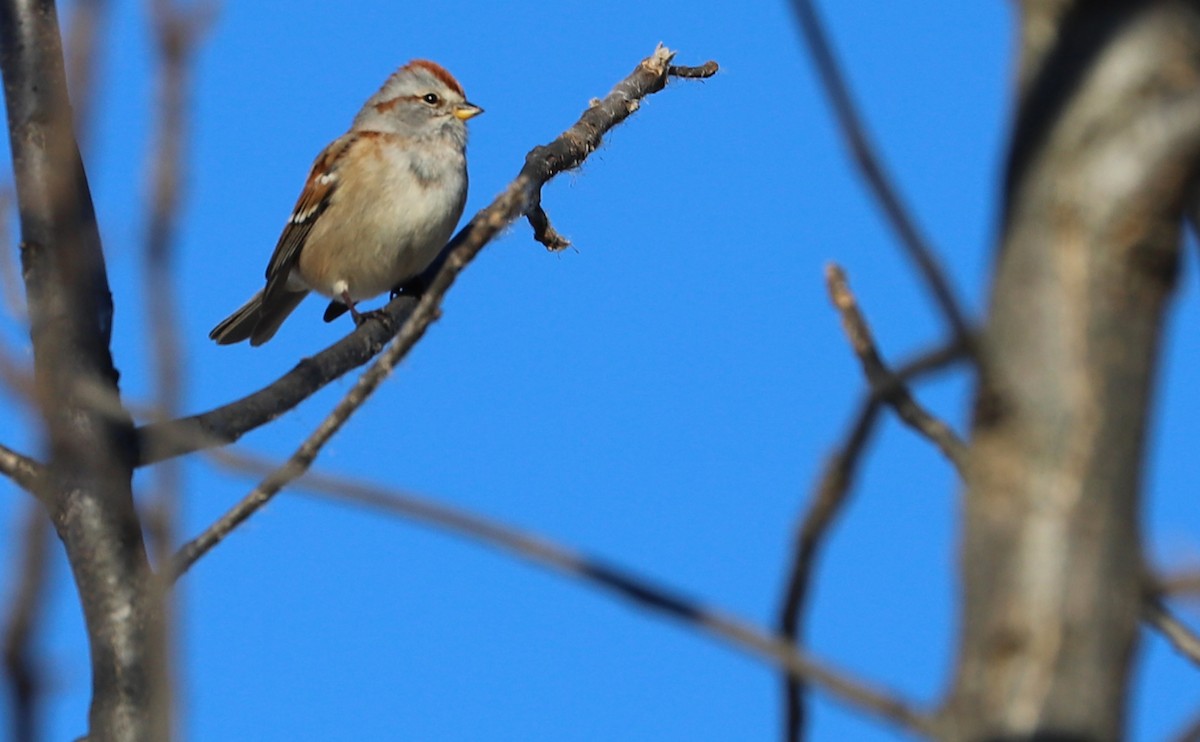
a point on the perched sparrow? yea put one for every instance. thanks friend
(379, 203)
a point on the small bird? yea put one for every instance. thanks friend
(379, 203)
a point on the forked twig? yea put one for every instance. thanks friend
(883, 380)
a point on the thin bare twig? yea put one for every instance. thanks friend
(1185, 641)
(19, 468)
(1181, 584)
(176, 33)
(178, 30)
(84, 28)
(26, 606)
(880, 377)
(545, 553)
(830, 495)
(850, 121)
(541, 164)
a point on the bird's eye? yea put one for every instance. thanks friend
(432, 99)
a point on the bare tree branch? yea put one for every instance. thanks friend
(542, 552)
(830, 495)
(523, 197)
(1184, 583)
(566, 152)
(88, 20)
(26, 607)
(88, 488)
(881, 378)
(176, 33)
(888, 197)
(20, 468)
(1181, 637)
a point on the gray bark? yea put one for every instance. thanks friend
(1102, 158)
(90, 452)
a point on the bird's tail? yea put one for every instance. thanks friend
(257, 321)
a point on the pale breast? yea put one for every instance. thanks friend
(386, 226)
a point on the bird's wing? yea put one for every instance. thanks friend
(314, 199)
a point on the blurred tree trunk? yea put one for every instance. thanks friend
(1101, 160)
(89, 442)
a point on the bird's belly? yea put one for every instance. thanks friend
(373, 250)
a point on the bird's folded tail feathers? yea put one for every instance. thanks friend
(255, 321)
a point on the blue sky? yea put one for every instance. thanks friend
(662, 395)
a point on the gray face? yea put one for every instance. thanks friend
(421, 101)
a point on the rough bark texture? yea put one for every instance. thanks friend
(90, 453)
(1102, 157)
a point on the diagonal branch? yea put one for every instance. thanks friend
(1185, 641)
(554, 557)
(21, 469)
(881, 377)
(225, 424)
(915, 245)
(828, 500)
(543, 163)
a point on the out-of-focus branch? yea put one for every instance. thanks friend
(20, 468)
(855, 133)
(881, 377)
(88, 485)
(176, 33)
(85, 28)
(566, 152)
(826, 504)
(25, 610)
(1181, 637)
(1182, 584)
(554, 557)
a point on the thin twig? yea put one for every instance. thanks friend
(26, 607)
(20, 468)
(85, 27)
(832, 490)
(869, 163)
(176, 33)
(1181, 584)
(881, 378)
(1178, 634)
(545, 553)
(541, 164)
(830, 495)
